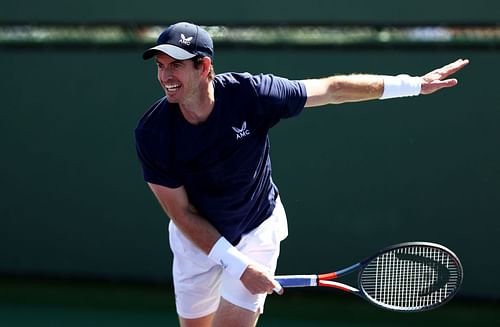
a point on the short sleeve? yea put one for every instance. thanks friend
(279, 97)
(155, 156)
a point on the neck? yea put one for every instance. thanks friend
(199, 109)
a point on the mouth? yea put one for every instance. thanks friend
(170, 88)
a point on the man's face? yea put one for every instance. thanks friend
(178, 78)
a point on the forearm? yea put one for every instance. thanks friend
(355, 88)
(206, 237)
(343, 88)
(198, 229)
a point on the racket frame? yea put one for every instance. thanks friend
(326, 280)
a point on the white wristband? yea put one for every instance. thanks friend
(401, 86)
(231, 260)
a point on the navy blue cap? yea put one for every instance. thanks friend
(182, 41)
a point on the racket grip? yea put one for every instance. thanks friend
(297, 280)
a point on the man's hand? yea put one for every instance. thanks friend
(435, 80)
(258, 281)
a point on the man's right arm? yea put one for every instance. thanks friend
(175, 203)
(205, 236)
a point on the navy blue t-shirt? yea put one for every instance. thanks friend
(224, 162)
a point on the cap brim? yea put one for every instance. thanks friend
(168, 49)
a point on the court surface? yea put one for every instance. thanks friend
(41, 303)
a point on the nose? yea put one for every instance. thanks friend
(163, 74)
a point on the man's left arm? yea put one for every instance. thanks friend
(356, 88)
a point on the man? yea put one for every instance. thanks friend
(204, 150)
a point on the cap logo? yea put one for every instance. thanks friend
(185, 40)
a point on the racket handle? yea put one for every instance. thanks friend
(297, 280)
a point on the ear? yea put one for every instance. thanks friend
(205, 67)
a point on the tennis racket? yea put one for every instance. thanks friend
(411, 277)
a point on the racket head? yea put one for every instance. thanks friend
(411, 277)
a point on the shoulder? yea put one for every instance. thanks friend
(154, 115)
(155, 125)
(260, 83)
(232, 79)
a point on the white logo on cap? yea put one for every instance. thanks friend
(185, 40)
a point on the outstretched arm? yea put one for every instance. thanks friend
(355, 88)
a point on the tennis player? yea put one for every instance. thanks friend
(204, 150)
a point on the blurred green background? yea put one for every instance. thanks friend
(252, 12)
(354, 178)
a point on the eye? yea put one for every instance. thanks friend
(176, 64)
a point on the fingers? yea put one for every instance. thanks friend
(258, 281)
(435, 80)
(436, 85)
(448, 70)
(454, 67)
(456, 64)
(278, 289)
(449, 82)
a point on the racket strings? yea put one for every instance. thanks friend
(411, 277)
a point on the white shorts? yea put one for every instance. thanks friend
(199, 282)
